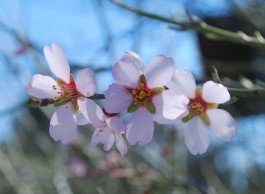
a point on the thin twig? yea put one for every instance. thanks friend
(207, 30)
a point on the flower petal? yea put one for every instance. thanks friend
(63, 124)
(215, 93)
(121, 145)
(85, 82)
(222, 123)
(81, 120)
(162, 120)
(117, 98)
(159, 71)
(184, 82)
(41, 86)
(104, 136)
(116, 124)
(197, 136)
(179, 124)
(127, 70)
(140, 127)
(57, 62)
(170, 104)
(92, 112)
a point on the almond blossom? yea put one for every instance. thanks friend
(141, 91)
(69, 95)
(202, 112)
(108, 131)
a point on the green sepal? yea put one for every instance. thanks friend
(133, 107)
(60, 102)
(151, 107)
(204, 117)
(75, 105)
(187, 118)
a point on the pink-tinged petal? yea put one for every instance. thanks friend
(116, 124)
(57, 62)
(63, 124)
(41, 86)
(140, 128)
(159, 71)
(85, 82)
(179, 124)
(117, 98)
(92, 112)
(103, 136)
(81, 120)
(222, 123)
(215, 93)
(197, 136)
(127, 70)
(184, 82)
(121, 145)
(162, 120)
(170, 104)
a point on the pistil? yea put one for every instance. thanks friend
(68, 93)
(142, 96)
(198, 107)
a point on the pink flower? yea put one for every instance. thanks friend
(108, 131)
(202, 112)
(78, 166)
(68, 94)
(122, 173)
(141, 92)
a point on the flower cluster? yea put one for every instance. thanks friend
(157, 93)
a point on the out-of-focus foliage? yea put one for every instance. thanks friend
(96, 33)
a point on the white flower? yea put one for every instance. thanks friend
(141, 91)
(202, 112)
(69, 94)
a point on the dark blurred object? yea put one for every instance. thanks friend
(234, 60)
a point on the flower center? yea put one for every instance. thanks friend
(142, 96)
(67, 93)
(198, 107)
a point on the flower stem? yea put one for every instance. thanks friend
(246, 93)
(97, 97)
(209, 31)
(33, 102)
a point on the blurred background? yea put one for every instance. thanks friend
(95, 33)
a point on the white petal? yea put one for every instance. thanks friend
(184, 82)
(170, 104)
(159, 71)
(179, 124)
(140, 127)
(197, 136)
(117, 98)
(162, 120)
(215, 93)
(85, 82)
(81, 120)
(222, 123)
(116, 124)
(63, 124)
(41, 87)
(92, 112)
(57, 62)
(104, 136)
(127, 70)
(121, 145)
